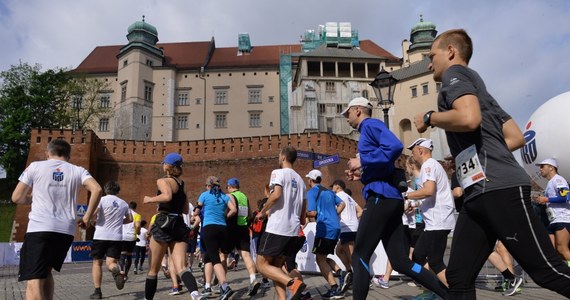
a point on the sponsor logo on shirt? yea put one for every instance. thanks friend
(57, 175)
(453, 81)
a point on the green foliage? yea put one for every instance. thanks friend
(28, 99)
(7, 212)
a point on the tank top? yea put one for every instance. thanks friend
(242, 208)
(176, 204)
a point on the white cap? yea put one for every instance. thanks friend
(427, 143)
(549, 161)
(314, 174)
(359, 101)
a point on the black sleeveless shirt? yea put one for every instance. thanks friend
(176, 204)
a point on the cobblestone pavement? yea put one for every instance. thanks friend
(74, 282)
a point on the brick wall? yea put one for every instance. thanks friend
(136, 164)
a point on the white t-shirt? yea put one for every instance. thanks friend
(109, 222)
(348, 217)
(561, 211)
(142, 238)
(284, 215)
(437, 211)
(55, 184)
(129, 234)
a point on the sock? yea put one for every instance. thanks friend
(98, 290)
(195, 294)
(206, 285)
(150, 287)
(225, 285)
(129, 261)
(122, 261)
(189, 280)
(251, 278)
(507, 274)
(334, 287)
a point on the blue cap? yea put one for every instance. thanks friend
(173, 159)
(233, 182)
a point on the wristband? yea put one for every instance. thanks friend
(427, 118)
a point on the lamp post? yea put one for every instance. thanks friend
(384, 85)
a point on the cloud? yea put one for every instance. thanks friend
(520, 46)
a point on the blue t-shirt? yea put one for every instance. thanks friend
(328, 223)
(214, 208)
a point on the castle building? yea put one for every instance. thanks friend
(196, 91)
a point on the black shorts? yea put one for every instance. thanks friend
(346, 237)
(179, 233)
(324, 246)
(553, 227)
(191, 247)
(41, 252)
(239, 238)
(128, 246)
(273, 245)
(416, 233)
(102, 248)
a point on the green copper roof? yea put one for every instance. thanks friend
(422, 34)
(140, 31)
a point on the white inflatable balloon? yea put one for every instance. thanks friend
(547, 135)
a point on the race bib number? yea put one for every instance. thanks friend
(469, 170)
(243, 211)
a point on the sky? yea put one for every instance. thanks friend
(521, 47)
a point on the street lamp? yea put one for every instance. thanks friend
(384, 85)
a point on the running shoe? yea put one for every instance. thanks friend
(347, 281)
(96, 295)
(380, 282)
(253, 287)
(118, 277)
(207, 292)
(513, 285)
(296, 288)
(174, 291)
(226, 294)
(427, 295)
(333, 294)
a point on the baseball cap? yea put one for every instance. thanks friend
(549, 161)
(314, 174)
(233, 182)
(213, 180)
(173, 159)
(427, 143)
(359, 101)
(340, 183)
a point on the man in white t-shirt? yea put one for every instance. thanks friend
(437, 207)
(111, 213)
(348, 225)
(286, 210)
(52, 222)
(130, 235)
(557, 206)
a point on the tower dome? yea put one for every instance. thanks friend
(142, 35)
(141, 31)
(422, 34)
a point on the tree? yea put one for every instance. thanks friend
(88, 100)
(28, 99)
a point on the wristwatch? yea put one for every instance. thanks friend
(427, 118)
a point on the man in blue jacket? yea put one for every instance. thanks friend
(378, 149)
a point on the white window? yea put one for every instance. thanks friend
(221, 97)
(255, 119)
(254, 96)
(330, 87)
(425, 89)
(182, 122)
(182, 99)
(148, 93)
(104, 124)
(124, 92)
(76, 102)
(414, 90)
(221, 121)
(105, 101)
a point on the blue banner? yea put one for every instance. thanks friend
(80, 251)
